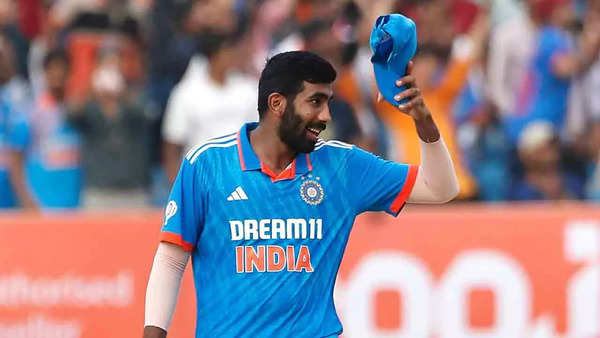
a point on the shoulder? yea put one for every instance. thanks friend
(333, 149)
(244, 86)
(333, 145)
(186, 90)
(217, 146)
(338, 150)
(550, 37)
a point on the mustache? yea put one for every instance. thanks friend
(317, 125)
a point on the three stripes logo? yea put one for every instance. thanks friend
(237, 195)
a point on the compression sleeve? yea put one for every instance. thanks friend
(163, 285)
(436, 180)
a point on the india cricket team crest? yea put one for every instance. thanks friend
(311, 191)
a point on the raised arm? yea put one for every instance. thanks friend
(163, 288)
(436, 180)
(565, 65)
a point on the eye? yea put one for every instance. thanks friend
(315, 101)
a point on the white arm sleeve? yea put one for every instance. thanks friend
(436, 180)
(163, 285)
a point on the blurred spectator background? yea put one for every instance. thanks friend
(99, 99)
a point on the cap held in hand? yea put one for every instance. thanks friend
(394, 43)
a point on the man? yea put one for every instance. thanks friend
(113, 129)
(46, 146)
(266, 212)
(224, 94)
(555, 60)
(13, 95)
(543, 177)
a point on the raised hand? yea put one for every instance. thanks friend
(415, 107)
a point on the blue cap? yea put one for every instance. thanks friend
(394, 43)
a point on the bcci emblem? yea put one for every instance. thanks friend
(311, 192)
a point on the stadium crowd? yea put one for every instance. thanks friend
(99, 100)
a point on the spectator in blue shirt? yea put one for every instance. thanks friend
(13, 191)
(48, 146)
(543, 93)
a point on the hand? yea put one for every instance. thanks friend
(31, 208)
(154, 332)
(415, 107)
(590, 39)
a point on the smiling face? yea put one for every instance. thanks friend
(306, 116)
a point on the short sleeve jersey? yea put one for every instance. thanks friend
(7, 140)
(266, 248)
(52, 151)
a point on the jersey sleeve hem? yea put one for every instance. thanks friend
(173, 238)
(400, 200)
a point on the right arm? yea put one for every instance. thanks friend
(17, 178)
(436, 180)
(565, 65)
(19, 136)
(179, 235)
(163, 288)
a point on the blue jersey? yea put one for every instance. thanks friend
(543, 95)
(266, 248)
(7, 118)
(52, 152)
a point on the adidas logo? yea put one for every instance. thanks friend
(237, 195)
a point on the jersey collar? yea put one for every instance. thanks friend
(249, 160)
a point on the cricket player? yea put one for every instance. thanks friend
(265, 213)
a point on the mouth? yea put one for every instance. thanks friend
(313, 131)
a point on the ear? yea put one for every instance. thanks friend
(277, 103)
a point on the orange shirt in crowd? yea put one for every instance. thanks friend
(439, 100)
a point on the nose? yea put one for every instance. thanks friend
(325, 114)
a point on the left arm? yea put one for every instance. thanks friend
(578, 61)
(436, 180)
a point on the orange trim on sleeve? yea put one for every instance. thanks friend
(174, 238)
(411, 177)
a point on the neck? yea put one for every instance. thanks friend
(270, 149)
(217, 73)
(58, 94)
(110, 108)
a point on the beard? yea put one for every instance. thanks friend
(292, 131)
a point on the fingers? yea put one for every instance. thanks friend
(412, 104)
(408, 81)
(407, 94)
(409, 67)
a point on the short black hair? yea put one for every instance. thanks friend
(212, 41)
(285, 72)
(57, 54)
